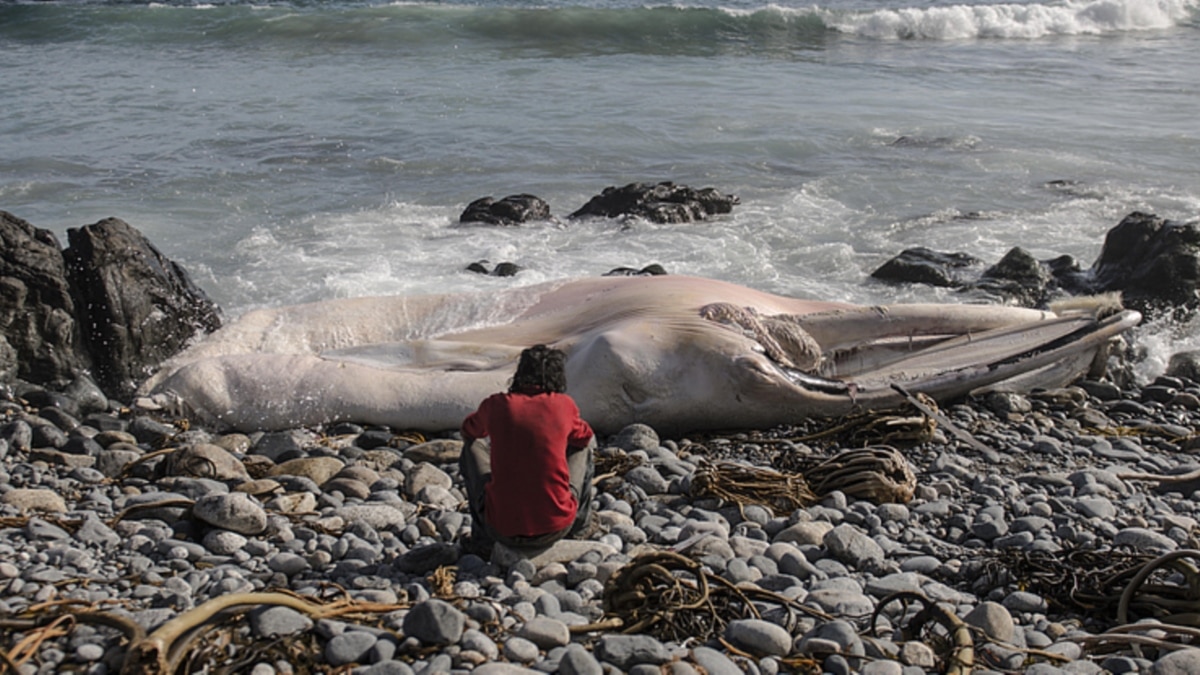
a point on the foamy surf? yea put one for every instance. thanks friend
(1014, 21)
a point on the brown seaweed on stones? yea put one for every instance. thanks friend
(675, 598)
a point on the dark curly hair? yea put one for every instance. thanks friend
(541, 369)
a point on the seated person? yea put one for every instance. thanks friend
(527, 459)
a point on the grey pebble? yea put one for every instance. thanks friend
(853, 546)
(236, 511)
(349, 647)
(759, 637)
(625, 651)
(273, 622)
(435, 622)
(520, 649)
(545, 632)
(577, 660)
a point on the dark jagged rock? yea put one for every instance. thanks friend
(658, 202)
(41, 339)
(504, 269)
(1185, 364)
(1019, 277)
(1153, 262)
(652, 270)
(141, 308)
(922, 265)
(511, 210)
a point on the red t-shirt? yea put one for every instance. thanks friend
(530, 490)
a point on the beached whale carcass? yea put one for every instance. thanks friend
(675, 352)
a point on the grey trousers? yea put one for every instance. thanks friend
(475, 465)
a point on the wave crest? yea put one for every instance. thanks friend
(1090, 17)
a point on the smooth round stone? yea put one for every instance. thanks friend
(47, 436)
(545, 632)
(1024, 601)
(882, 668)
(34, 499)
(520, 650)
(349, 647)
(1143, 539)
(758, 636)
(349, 487)
(892, 513)
(811, 532)
(316, 469)
(841, 602)
(288, 564)
(757, 514)
(89, 652)
(278, 621)
(918, 654)
(836, 664)
(893, 583)
(923, 564)
(840, 632)
(626, 651)
(993, 619)
(1016, 540)
(648, 479)
(435, 622)
(235, 511)
(375, 516)
(1179, 662)
(425, 475)
(578, 571)
(576, 660)
(715, 662)
(637, 437)
(1095, 507)
(739, 571)
(852, 546)
(224, 542)
(477, 641)
(209, 461)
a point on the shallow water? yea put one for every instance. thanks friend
(293, 151)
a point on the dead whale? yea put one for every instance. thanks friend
(677, 353)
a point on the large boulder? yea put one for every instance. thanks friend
(41, 340)
(663, 202)
(1154, 263)
(140, 307)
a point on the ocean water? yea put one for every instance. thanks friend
(299, 150)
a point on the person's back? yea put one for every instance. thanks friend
(530, 490)
(528, 481)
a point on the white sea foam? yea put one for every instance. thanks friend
(1090, 17)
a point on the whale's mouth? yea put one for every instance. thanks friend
(817, 383)
(1043, 354)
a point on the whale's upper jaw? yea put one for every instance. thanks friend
(1042, 354)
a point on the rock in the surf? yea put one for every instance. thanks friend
(139, 306)
(663, 202)
(511, 210)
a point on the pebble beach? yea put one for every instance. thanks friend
(1031, 519)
